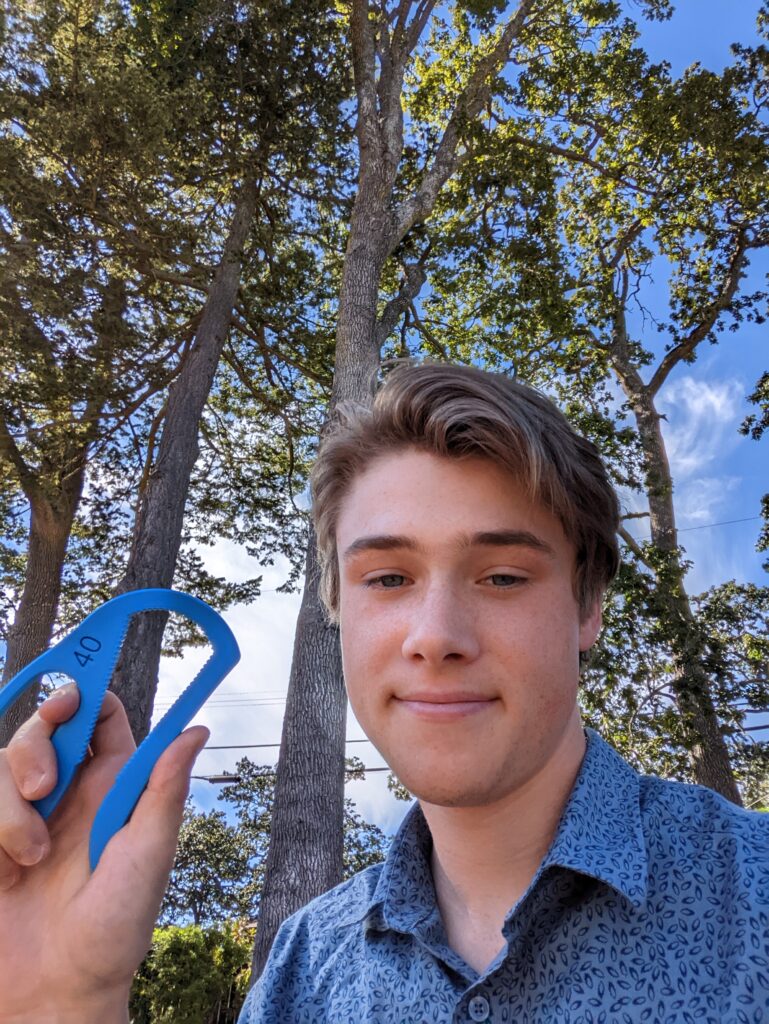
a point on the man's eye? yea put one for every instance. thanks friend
(389, 581)
(504, 579)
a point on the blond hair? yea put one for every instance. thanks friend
(458, 411)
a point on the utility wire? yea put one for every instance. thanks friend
(725, 522)
(270, 773)
(702, 526)
(252, 746)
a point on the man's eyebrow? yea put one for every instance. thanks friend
(381, 542)
(486, 538)
(508, 539)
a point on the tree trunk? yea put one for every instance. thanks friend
(54, 494)
(357, 356)
(160, 511)
(49, 531)
(691, 681)
(305, 855)
(306, 833)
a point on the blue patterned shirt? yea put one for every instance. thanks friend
(652, 904)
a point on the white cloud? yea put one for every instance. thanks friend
(701, 420)
(698, 500)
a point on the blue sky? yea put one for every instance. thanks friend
(700, 30)
(720, 476)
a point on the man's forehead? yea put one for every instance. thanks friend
(418, 501)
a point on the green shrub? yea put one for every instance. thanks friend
(193, 975)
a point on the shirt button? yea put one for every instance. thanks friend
(479, 1008)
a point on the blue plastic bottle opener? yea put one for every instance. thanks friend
(89, 655)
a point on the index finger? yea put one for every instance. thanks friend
(30, 755)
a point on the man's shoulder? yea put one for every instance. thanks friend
(690, 814)
(312, 947)
(342, 907)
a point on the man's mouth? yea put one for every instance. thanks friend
(443, 705)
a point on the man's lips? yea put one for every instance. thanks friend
(443, 706)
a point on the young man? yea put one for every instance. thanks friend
(467, 536)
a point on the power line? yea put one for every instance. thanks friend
(269, 773)
(725, 522)
(230, 699)
(225, 706)
(705, 526)
(252, 746)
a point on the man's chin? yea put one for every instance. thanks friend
(461, 794)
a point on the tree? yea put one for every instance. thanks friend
(218, 873)
(646, 173)
(277, 121)
(627, 684)
(157, 223)
(192, 975)
(211, 880)
(398, 186)
(83, 347)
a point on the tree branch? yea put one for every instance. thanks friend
(634, 547)
(575, 156)
(470, 102)
(411, 285)
(363, 39)
(246, 325)
(422, 327)
(684, 349)
(624, 240)
(10, 451)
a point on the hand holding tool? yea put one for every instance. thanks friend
(89, 654)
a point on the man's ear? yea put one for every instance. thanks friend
(590, 624)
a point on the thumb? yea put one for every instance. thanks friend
(153, 828)
(129, 881)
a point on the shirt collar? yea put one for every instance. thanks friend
(599, 834)
(405, 894)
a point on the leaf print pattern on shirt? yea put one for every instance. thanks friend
(652, 904)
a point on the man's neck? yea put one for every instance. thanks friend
(484, 858)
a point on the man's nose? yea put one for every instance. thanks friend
(441, 628)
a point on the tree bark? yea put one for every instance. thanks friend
(306, 832)
(160, 511)
(49, 530)
(305, 855)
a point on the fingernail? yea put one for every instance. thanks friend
(62, 691)
(7, 882)
(33, 782)
(33, 854)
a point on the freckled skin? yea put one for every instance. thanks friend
(445, 620)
